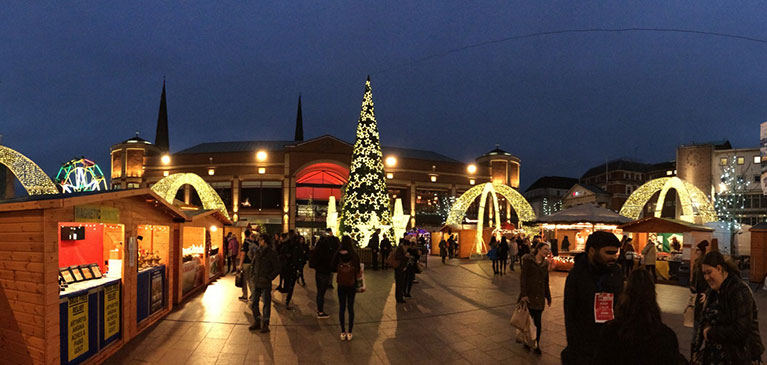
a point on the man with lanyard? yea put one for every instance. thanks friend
(591, 293)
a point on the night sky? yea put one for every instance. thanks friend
(82, 76)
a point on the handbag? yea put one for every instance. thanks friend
(520, 318)
(392, 260)
(689, 312)
(238, 279)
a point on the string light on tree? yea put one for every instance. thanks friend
(730, 199)
(32, 177)
(167, 188)
(365, 193)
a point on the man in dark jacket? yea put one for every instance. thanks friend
(264, 267)
(401, 257)
(373, 246)
(385, 250)
(320, 259)
(290, 261)
(592, 286)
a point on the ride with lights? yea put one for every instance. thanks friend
(80, 175)
(365, 194)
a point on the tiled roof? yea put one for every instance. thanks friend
(621, 164)
(553, 182)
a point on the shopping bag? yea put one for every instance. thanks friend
(359, 284)
(689, 312)
(238, 279)
(520, 319)
(526, 336)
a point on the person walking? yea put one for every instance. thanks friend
(233, 250)
(503, 254)
(304, 257)
(320, 260)
(244, 265)
(591, 290)
(627, 256)
(534, 287)
(399, 264)
(698, 286)
(412, 267)
(649, 255)
(346, 264)
(265, 266)
(374, 246)
(290, 261)
(443, 249)
(638, 336)
(492, 253)
(513, 252)
(385, 250)
(729, 328)
(451, 246)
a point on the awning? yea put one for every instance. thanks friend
(663, 225)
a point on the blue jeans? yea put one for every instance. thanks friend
(265, 295)
(346, 300)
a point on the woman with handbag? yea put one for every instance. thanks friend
(346, 264)
(728, 332)
(534, 287)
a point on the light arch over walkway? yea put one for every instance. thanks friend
(168, 187)
(694, 202)
(32, 177)
(518, 202)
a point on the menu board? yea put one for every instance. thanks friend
(156, 291)
(67, 275)
(111, 310)
(78, 275)
(77, 328)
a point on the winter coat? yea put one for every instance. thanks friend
(650, 254)
(234, 246)
(699, 286)
(534, 282)
(385, 245)
(513, 248)
(503, 250)
(290, 256)
(264, 266)
(443, 248)
(660, 347)
(334, 244)
(373, 242)
(321, 256)
(583, 282)
(737, 324)
(399, 255)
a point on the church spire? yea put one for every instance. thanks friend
(299, 122)
(161, 137)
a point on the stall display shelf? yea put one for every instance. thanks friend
(80, 287)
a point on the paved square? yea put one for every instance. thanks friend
(459, 314)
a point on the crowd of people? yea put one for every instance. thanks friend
(610, 308)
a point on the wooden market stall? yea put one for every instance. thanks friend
(201, 258)
(69, 273)
(688, 233)
(758, 270)
(577, 223)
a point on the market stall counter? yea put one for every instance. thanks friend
(70, 273)
(201, 258)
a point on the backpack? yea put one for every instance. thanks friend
(346, 275)
(392, 259)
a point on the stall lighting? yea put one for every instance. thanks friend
(261, 156)
(389, 175)
(211, 172)
(579, 226)
(213, 228)
(471, 168)
(165, 159)
(433, 178)
(262, 170)
(235, 217)
(391, 161)
(472, 182)
(166, 173)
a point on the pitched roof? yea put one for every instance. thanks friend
(663, 225)
(594, 189)
(553, 182)
(416, 154)
(619, 164)
(584, 213)
(236, 146)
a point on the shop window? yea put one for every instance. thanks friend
(135, 163)
(133, 185)
(756, 178)
(117, 164)
(629, 189)
(669, 173)
(741, 160)
(261, 195)
(757, 159)
(193, 254)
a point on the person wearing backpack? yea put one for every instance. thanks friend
(346, 264)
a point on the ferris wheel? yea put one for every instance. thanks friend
(80, 175)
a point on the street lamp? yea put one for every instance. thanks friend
(261, 156)
(165, 159)
(391, 161)
(471, 168)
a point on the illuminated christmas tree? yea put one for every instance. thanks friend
(730, 200)
(365, 193)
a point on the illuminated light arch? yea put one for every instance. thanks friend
(32, 177)
(524, 211)
(168, 187)
(693, 200)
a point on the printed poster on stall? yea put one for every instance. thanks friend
(156, 291)
(111, 310)
(78, 326)
(763, 153)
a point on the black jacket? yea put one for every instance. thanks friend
(373, 243)
(661, 347)
(264, 267)
(738, 326)
(290, 255)
(583, 282)
(385, 245)
(534, 282)
(322, 255)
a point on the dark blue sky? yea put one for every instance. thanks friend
(79, 77)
